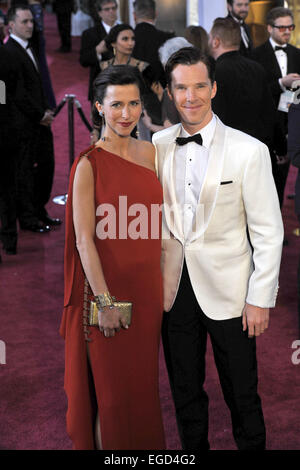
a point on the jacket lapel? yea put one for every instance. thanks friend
(26, 56)
(209, 192)
(211, 184)
(274, 66)
(172, 213)
(290, 60)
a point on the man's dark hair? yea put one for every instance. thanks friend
(189, 56)
(145, 8)
(115, 75)
(278, 12)
(101, 3)
(228, 31)
(12, 12)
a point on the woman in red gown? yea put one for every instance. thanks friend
(113, 231)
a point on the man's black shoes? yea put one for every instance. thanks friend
(47, 220)
(37, 227)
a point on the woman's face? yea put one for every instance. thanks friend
(125, 42)
(122, 108)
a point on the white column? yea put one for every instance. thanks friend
(131, 19)
(192, 12)
(203, 12)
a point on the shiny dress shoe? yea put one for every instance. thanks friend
(50, 220)
(36, 227)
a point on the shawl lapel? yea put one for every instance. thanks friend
(211, 184)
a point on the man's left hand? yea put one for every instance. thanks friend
(256, 319)
(282, 160)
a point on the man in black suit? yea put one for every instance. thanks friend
(243, 100)
(238, 10)
(63, 10)
(93, 48)
(281, 61)
(148, 38)
(32, 118)
(8, 151)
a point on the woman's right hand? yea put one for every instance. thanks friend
(111, 320)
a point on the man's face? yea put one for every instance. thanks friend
(22, 26)
(239, 9)
(108, 13)
(281, 35)
(192, 92)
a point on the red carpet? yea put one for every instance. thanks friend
(32, 399)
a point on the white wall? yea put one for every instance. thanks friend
(203, 12)
(199, 12)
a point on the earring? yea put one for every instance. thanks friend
(114, 51)
(101, 113)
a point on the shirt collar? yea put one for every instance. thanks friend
(107, 27)
(273, 43)
(22, 42)
(240, 22)
(207, 132)
(152, 22)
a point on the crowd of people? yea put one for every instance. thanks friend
(217, 111)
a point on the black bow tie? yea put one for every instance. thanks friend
(193, 138)
(279, 48)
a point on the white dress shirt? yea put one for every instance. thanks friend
(281, 57)
(190, 165)
(24, 44)
(244, 35)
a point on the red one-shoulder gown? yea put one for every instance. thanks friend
(122, 380)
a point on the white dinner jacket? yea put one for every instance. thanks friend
(223, 270)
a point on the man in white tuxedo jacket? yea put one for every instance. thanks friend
(219, 193)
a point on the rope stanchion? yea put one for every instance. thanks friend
(59, 107)
(71, 100)
(81, 114)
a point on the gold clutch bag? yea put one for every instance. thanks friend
(125, 307)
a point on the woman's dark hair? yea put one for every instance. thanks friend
(114, 33)
(198, 37)
(189, 56)
(114, 75)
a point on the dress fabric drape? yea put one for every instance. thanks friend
(123, 383)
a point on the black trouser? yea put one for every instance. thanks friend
(64, 28)
(280, 175)
(35, 174)
(184, 333)
(8, 151)
(280, 172)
